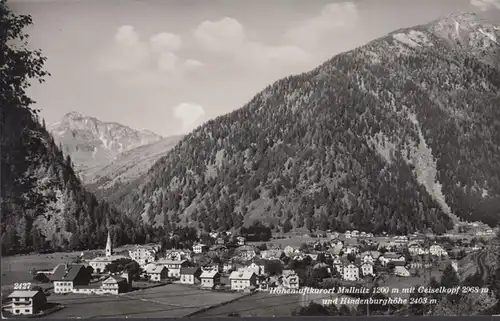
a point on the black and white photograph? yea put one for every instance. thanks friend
(260, 158)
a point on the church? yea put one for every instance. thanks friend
(99, 263)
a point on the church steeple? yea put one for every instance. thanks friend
(109, 248)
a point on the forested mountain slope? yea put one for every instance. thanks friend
(399, 135)
(43, 202)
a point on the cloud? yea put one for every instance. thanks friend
(167, 61)
(192, 115)
(484, 5)
(226, 37)
(193, 64)
(312, 32)
(129, 53)
(165, 41)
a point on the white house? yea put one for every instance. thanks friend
(209, 279)
(401, 271)
(27, 302)
(416, 249)
(143, 254)
(242, 279)
(347, 234)
(437, 250)
(174, 267)
(290, 279)
(190, 275)
(199, 248)
(367, 269)
(351, 250)
(367, 258)
(391, 257)
(156, 273)
(350, 272)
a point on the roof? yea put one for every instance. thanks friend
(115, 279)
(109, 258)
(189, 270)
(392, 255)
(23, 294)
(259, 261)
(239, 275)
(69, 274)
(154, 268)
(208, 274)
(164, 261)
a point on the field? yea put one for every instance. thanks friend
(171, 300)
(261, 304)
(18, 268)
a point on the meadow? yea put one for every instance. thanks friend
(260, 304)
(172, 300)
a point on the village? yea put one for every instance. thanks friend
(227, 263)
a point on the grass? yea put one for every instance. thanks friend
(171, 300)
(261, 304)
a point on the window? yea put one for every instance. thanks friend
(17, 311)
(26, 310)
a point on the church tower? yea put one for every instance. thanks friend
(109, 248)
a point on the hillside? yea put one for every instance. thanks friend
(43, 202)
(129, 166)
(93, 144)
(398, 135)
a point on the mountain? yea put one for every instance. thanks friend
(398, 135)
(93, 144)
(129, 166)
(43, 203)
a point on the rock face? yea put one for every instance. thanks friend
(93, 144)
(43, 203)
(398, 135)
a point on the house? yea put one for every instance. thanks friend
(190, 275)
(177, 255)
(27, 302)
(200, 248)
(289, 251)
(351, 250)
(241, 240)
(100, 263)
(143, 254)
(367, 269)
(246, 252)
(115, 285)
(437, 250)
(157, 273)
(391, 257)
(333, 235)
(259, 265)
(367, 258)
(241, 280)
(228, 266)
(290, 279)
(416, 249)
(174, 267)
(68, 276)
(401, 271)
(347, 234)
(209, 279)
(355, 233)
(220, 241)
(272, 254)
(212, 267)
(338, 264)
(350, 272)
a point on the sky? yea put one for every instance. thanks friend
(170, 65)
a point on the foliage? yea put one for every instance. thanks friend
(341, 147)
